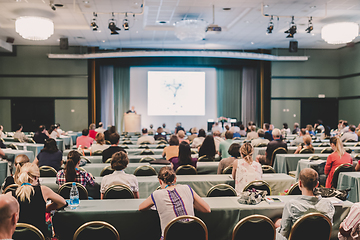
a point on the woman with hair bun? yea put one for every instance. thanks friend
(335, 159)
(173, 200)
(71, 173)
(32, 198)
(245, 170)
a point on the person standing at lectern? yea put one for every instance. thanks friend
(132, 110)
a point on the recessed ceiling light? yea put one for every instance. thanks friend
(103, 40)
(252, 43)
(226, 9)
(137, 31)
(313, 34)
(266, 5)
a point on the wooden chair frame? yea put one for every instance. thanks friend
(252, 218)
(147, 151)
(198, 220)
(96, 223)
(31, 228)
(306, 150)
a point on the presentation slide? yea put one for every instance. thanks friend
(172, 93)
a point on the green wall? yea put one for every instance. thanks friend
(30, 73)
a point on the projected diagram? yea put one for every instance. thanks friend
(171, 93)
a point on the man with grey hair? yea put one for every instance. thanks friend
(9, 215)
(274, 144)
(260, 140)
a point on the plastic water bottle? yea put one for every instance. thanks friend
(74, 197)
(25, 147)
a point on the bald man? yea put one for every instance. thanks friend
(9, 215)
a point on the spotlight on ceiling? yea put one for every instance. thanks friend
(53, 7)
(270, 26)
(112, 26)
(310, 26)
(93, 24)
(292, 30)
(125, 23)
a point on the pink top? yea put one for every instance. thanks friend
(84, 141)
(332, 162)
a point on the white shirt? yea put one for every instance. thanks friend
(100, 130)
(145, 138)
(197, 142)
(252, 135)
(95, 147)
(217, 128)
(349, 136)
(246, 173)
(234, 129)
(54, 134)
(217, 141)
(119, 177)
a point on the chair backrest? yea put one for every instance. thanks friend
(108, 160)
(145, 170)
(106, 171)
(127, 142)
(348, 150)
(147, 159)
(107, 142)
(221, 190)
(205, 158)
(327, 150)
(30, 140)
(97, 153)
(258, 185)
(186, 227)
(142, 143)
(294, 189)
(186, 170)
(147, 152)
(314, 157)
(228, 170)
(64, 191)
(357, 144)
(236, 138)
(96, 230)
(118, 191)
(279, 150)
(162, 141)
(27, 231)
(86, 159)
(16, 140)
(144, 146)
(347, 167)
(251, 225)
(11, 187)
(324, 145)
(311, 226)
(306, 150)
(124, 146)
(47, 171)
(350, 140)
(160, 146)
(267, 169)
(12, 146)
(261, 145)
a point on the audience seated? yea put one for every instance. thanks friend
(217, 140)
(71, 173)
(296, 128)
(119, 162)
(194, 134)
(100, 143)
(84, 141)
(234, 151)
(50, 155)
(166, 130)
(53, 133)
(260, 140)
(276, 143)
(242, 131)
(19, 134)
(2, 134)
(286, 130)
(304, 204)
(350, 227)
(33, 198)
(217, 127)
(227, 128)
(184, 157)
(318, 126)
(108, 132)
(350, 135)
(245, 170)
(160, 134)
(335, 159)
(224, 145)
(100, 128)
(299, 139)
(268, 134)
(181, 135)
(207, 147)
(173, 200)
(41, 135)
(305, 145)
(145, 138)
(326, 133)
(199, 139)
(235, 130)
(172, 150)
(92, 132)
(9, 216)
(310, 130)
(19, 161)
(178, 127)
(114, 140)
(252, 133)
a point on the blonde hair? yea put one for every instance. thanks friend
(27, 174)
(100, 138)
(19, 161)
(307, 139)
(339, 148)
(181, 134)
(246, 152)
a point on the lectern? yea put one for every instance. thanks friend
(132, 122)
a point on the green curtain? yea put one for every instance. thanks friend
(229, 92)
(121, 95)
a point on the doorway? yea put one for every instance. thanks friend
(325, 109)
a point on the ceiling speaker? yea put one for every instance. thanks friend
(10, 40)
(293, 46)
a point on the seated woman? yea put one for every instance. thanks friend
(32, 198)
(184, 157)
(53, 133)
(335, 159)
(160, 134)
(92, 132)
(326, 134)
(71, 173)
(119, 162)
(19, 134)
(181, 135)
(305, 145)
(172, 150)
(19, 161)
(208, 147)
(199, 139)
(100, 143)
(50, 155)
(173, 200)
(234, 151)
(245, 170)
(309, 128)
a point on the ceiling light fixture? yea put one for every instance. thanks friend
(112, 26)
(34, 28)
(190, 30)
(93, 24)
(125, 23)
(270, 26)
(310, 26)
(292, 30)
(339, 33)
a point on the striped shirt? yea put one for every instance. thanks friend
(351, 222)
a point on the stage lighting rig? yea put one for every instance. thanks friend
(292, 30)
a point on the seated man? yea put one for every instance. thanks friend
(350, 228)
(252, 133)
(84, 141)
(299, 139)
(19, 134)
(119, 162)
(260, 140)
(9, 215)
(114, 140)
(304, 204)
(350, 135)
(225, 145)
(145, 137)
(268, 133)
(276, 143)
(41, 135)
